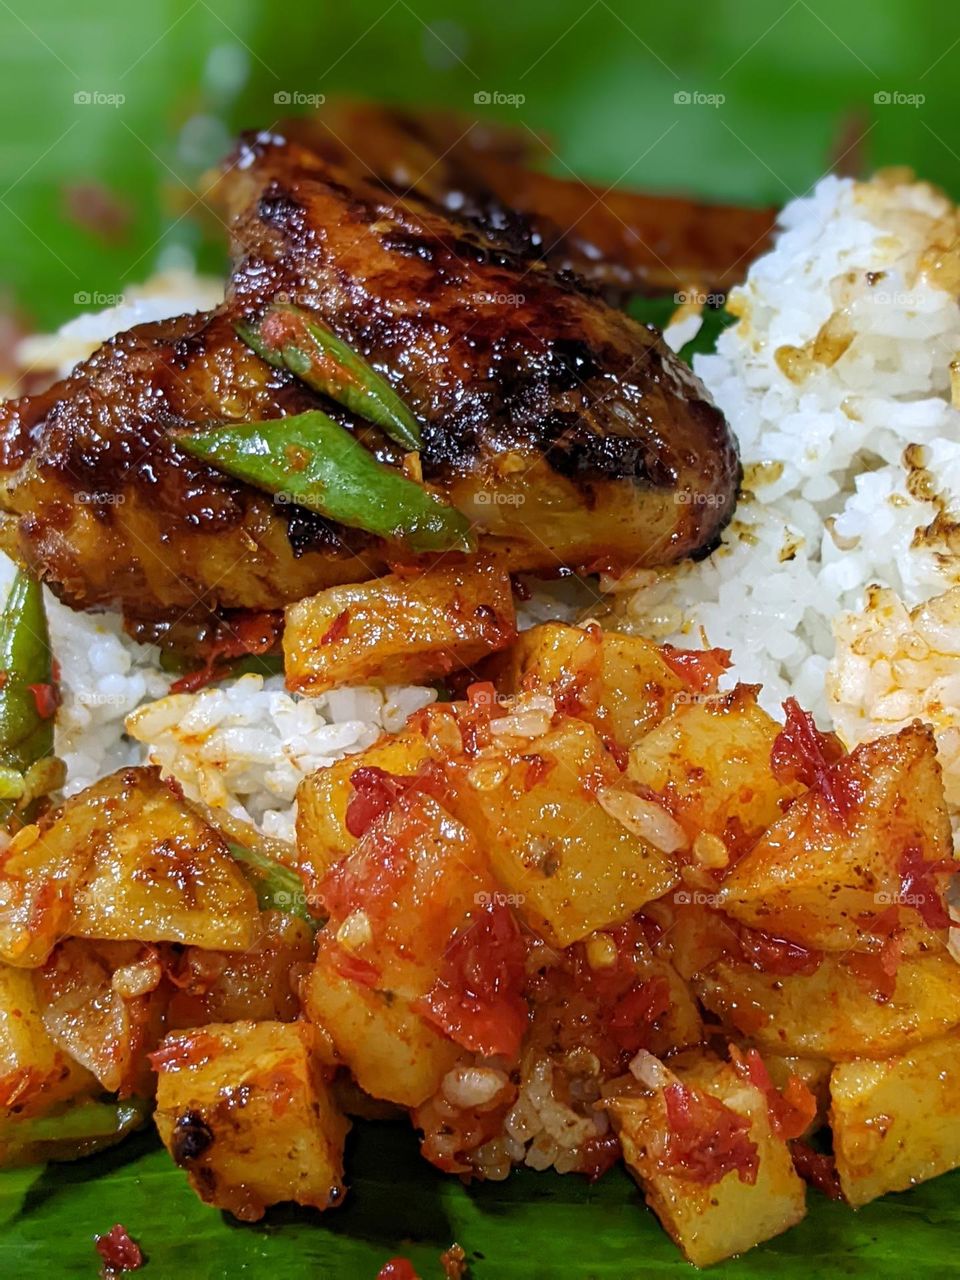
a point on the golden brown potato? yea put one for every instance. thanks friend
(35, 1073)
(393, 1054)
(832, 1013)
(259, 984)
(618, 682)
(823, 881)
(711, 759)
(896, 1123)
(710, 1221)
(571, 867)
(103, 1004)
(415, 877)
(244, 1108)
(125, 859)
(398, 629)
(323, 797)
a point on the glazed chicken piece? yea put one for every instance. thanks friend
(623, 242)
(571, 435)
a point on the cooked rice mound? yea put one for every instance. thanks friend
(840, 384)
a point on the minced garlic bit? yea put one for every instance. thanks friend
(355, 932)
(601, 951)
(710, 851)
(531, 716)
(137, 979)
(644, 818)
(649, 1070)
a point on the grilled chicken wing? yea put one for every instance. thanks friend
(570, 434)
(623, 242)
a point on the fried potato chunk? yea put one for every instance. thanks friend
(620, 683)
(127, 859)
(415, 878)
(735, 1185)
(710, 758)
(833, 1013)
(571, 866)
(397, 629)
(896, 1123)
(245, 1109)
(829, 880)
(35, 1073)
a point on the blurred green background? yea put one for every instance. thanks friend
(93, 194)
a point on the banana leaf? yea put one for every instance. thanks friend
(534, 1226)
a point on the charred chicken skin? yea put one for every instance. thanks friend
(570, 434)
(623, 242)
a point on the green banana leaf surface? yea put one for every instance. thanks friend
(535, 1226)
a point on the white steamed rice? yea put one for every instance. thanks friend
(840, 360)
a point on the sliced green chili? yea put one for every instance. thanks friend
(27, 691)
(287, 336)
(80, 1122)
(276, 886)
(312, 461)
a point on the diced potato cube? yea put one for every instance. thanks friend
(391, 1052)
(896, 1123)
(397, 629)
(244, 1108)
(711, 1222)
(125, 859)
(832, 1013)
(323, 797)
(711, 759)
(821, 881)
(160, 873)
(383, 947)
(618, 682)
(571, 866)
(35, 1074)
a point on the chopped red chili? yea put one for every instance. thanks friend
(699, 669)
(874, 973)
(46, 698)
(792, 1111)
(598, 1155)
(354, 968)
(185, 1051)
(337, 629)
(375, 791)
(634, 1014)
(118, 1251)
(817, 1169)
(919, 888)
(478, 998)
(706, 1140)
(250, 634)
(801, 753)
(776, 955)
(397, 1269)
(538, 768)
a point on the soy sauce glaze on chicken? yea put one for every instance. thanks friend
(570, 434)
